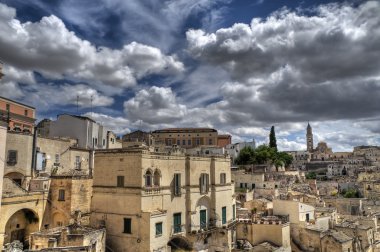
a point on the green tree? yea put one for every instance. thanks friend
(245, 156)
(272, 139)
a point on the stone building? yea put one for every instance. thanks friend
(333, 241)
(22, 210)
(88, 133)
(186, 137)
(309, 138)
(364, 233)
(29, 191)
(52, 156)
(113, 142)
(268, 229)
(223, 140)
(19, 117)
(69, 238)
(151, 201)
(298, 212)
(68, 196)
(138, 137)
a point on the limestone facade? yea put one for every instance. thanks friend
(147, 200)
(69, 238)
(258, 232)
(186, 137)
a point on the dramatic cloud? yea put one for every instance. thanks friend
(157, 105)
(50, 48)
(118, 125)
(318, 64)
(291, 67)
(157, 23)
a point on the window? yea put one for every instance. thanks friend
(241, 185)
(169, 142)
(120, 181)
(210, 141)
(156, 178)
(224, 215)
(177, 184)
(253, 186)
(104, 142)
(77, 162)
(245, 185)
(56, 159)
(183, 142)
(148, 179)
(26, 112)
(222, 178)
(203, 183)
(178, 142)
(203, 218)
(12, 157)
(61, 195)
(8, 107)
(198, 141)
(159, 229)
(189, 142)
(233, 212)
(127, 226)
(177, 227)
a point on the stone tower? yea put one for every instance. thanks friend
(309, 138)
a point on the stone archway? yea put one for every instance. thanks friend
(17, 177)
(20, 225)
(179, 243)
(204, 217)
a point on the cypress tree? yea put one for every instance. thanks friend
(272, 139)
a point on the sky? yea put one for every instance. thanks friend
(239, 66)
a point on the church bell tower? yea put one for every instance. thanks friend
(309, 138)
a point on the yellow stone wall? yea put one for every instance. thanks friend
(147, 206)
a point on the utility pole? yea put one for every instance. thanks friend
(77, 104)
(91, 106)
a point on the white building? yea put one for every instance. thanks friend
(234, 149)
(297, 211)
(89, 133)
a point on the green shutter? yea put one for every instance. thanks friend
(177, 222)
(224, 215)
(203, 218)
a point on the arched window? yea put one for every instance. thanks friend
(156, 178)
(148, 178)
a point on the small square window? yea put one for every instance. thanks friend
(159, 229)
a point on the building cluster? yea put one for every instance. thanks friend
(71, 184)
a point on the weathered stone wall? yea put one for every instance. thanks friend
(278, 234)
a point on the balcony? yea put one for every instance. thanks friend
(152, 190)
